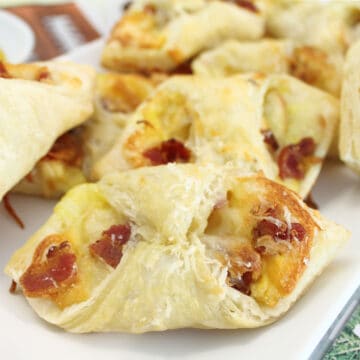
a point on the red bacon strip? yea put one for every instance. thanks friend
(48, 274)
(272, 238)
(241, 283)
(110, 246)
(168, 152)
(279, 231)
(270, 140)
(291, 158)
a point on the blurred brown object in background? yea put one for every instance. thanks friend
(57, 28)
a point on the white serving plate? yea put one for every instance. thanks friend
(17, 40)
(24, 336)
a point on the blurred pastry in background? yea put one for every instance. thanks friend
(161, 35)
(38, 103)
(307, 63)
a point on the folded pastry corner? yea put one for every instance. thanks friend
(331, 26)
(307, 63)
(255, 121)
(116, 97)
(59, 170)
(217, 249)
(161, 35)
(349, 132)
(43, 101)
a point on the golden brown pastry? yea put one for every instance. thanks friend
(161, 35)
(274, 124)
(171, 247)
(38, 103)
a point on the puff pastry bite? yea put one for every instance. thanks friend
(38, 103)
(162, 34)
(331, 26)
(307, 63)
(215, 250)
(73, 155)
(254, 121)
(349, 144)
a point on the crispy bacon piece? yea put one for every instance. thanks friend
(244, 267)
(68, 149)
(273, 234)
(291, 158)
(266, 227)
(110, 246)
(3, 71)
(297, 232)
(241, 283)
(279, 231)
(270, 140)
(43, 75)
(184, 68)
(273, 238)
(289, 162)
(246, 4)
(307, 146)
(167, 152)
(52, 270)
(11, 211)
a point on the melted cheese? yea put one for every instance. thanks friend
(230, 229)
